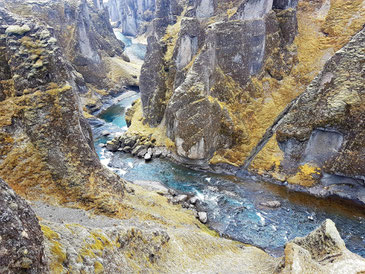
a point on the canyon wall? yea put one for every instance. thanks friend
(46, 148)
(132, 16)
(86, 37)
(219, 77)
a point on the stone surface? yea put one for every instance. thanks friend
(322, 251)
(203, 217)
(322, 134)
(21, 238)
(46, 149)
(86, 38)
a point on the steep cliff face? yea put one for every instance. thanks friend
(46, 148)
(200, 77)
(131, 16)
(21, 237)
(322, 135)
(86, 37)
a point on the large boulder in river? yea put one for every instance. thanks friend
(46, 145)
(21, 237)
(322, 251)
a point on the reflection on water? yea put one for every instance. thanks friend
(233, 204)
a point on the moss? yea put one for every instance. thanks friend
(140, 128)
(305, 176)
(98, 268)
(58, 255)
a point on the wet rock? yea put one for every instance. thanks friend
(203, 217)
(148, 156)
(322, 251)
(21, 238)
(193, 200)
(112, 145)
(271, 204)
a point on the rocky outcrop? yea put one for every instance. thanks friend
(46, 149)
(322, 251)
(322, 134)
(131, 16)
(21, 238)
(86, 38)
(189, 73)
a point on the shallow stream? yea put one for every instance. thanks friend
(233, 204)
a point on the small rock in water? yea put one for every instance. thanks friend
(310, 218)
(271, 204)
(203, 217)
(105, 133)
(148, 156)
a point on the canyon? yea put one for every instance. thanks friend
(266, 91)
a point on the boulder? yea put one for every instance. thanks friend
(322, 251)
(21, 237)
(203, 217)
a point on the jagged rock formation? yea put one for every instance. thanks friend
(322, 251)
(21, 238)
(219, 76)
(321, 137)
(46, 148)
(131, 16)
(87, 40)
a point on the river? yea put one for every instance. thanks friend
(233, 204)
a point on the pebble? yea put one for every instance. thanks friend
(271, 204)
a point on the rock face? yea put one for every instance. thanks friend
(220, 80)
(21, 238)
(131, 16)
(322, 251)
(322, 134)
(196, 64)
(46, 144)
(87, 40)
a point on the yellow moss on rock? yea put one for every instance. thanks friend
(304, 176)
(138, 127)
(57, 252)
